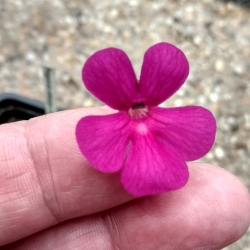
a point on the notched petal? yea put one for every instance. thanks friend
(165, 68)
(109, 75)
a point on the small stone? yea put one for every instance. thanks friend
(2, 58)
(197, 40)
(219, 153)
(69, 20)
(241, 146)
(169, 21)
(65, 77)
(202, 100)
(214, 97)
(163, 105)
(107, 29)
(155, 5)
(209, 156)
(114, 13)
(30, 56)
(178, 102)
(232, 123)
(219, 65)
(239, 70)
(133, 3)
(88, 103)
(180, 92)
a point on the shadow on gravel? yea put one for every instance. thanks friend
(242, 3)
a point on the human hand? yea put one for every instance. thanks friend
(51, 198)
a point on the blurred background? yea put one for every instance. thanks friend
(214, 35)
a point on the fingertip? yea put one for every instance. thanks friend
(233, 197)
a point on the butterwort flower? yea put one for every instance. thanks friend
(148, 144)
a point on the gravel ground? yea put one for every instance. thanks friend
(215, 36)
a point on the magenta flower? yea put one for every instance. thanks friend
(149, 145)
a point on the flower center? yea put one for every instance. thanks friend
(138, 110)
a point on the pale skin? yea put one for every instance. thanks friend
(45, 180)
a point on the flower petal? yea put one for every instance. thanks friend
(109, 75)
(152, 169)
(189, 130)
(103, 140)
(164, 70)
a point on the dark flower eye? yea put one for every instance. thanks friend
(139, 105)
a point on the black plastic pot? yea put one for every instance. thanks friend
(15, 108)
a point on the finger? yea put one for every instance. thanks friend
(210, 212)
(44, 179)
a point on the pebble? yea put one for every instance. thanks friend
(219, 65)
(214, 97)
(88, 103)
(219, 153)
(232, 123)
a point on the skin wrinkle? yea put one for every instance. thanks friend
(137, 213)
(79, 236)
(11, 176)
(17, 232)
(13, 212)
(14, 215)
(108, 223)
(13, 196)
(85, 234)
(83, 237)
(7, 159)
(10, 219)
(29, 148)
